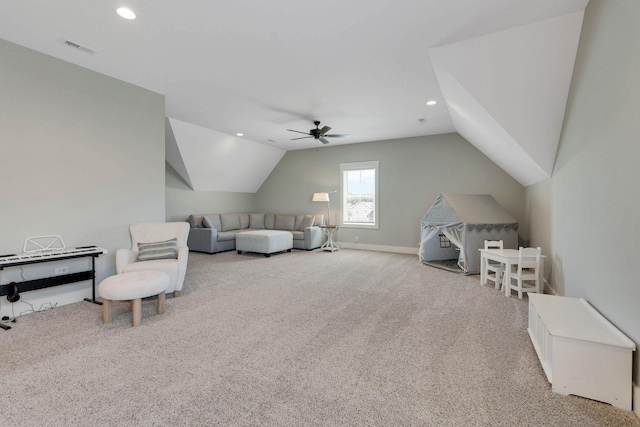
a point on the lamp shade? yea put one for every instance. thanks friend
(320, 197)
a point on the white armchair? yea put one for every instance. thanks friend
(150, 232)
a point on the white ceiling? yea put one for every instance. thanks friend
(363, 67)
(213, 161)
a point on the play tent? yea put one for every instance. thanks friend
(456, 226)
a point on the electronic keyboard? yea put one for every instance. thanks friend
(50, 255)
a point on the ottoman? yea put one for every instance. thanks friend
(264, 241)
(133, 287)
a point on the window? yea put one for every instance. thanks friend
(444, 241)
(359, 194)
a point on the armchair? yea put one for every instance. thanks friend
(149, 232)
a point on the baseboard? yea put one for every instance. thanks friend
(379, 248)
(636, 399)
(547, 289)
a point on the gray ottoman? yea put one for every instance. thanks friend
(264, 241)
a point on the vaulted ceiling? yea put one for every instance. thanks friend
(500, 71)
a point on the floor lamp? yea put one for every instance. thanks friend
(323, 197)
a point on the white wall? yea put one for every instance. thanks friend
(81, 156)
(586, 216)
(413, 172)
(182, 201)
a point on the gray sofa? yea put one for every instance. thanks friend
(212, 233)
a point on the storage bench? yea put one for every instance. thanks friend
(581, 352)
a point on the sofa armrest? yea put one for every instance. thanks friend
(123, 258)
(313, 237)
(203, 240)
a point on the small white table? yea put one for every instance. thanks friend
(330, 231)
(508, 257)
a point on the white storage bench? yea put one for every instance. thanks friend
(581, 352)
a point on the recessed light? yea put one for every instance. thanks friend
(239, 134)
(126, 13)
(432, 102)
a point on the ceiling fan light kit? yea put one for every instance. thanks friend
(320, 134)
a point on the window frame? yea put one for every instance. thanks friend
(344, 167)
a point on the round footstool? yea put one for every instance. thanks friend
(133, 287)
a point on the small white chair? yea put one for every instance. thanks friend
(155, 232)
(497, 268)
(527, 273)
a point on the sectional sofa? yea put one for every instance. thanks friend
(212, 233)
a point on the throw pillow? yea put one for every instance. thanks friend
(269, 221)
(230, 222)
(285, 222)
(207, 223)
(195, 221)
(167, 249)
(256, 221)
(244, 220)
(299, 221)
(212, 221)
(309, 220)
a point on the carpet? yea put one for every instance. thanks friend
(351, 338)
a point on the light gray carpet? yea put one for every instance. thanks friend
(353, 338)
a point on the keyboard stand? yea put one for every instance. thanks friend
(46, 282)
(93, 282)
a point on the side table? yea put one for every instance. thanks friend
(330, 231)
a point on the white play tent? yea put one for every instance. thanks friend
(457, 225)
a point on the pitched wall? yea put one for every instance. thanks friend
(182, 201)
(413, 172)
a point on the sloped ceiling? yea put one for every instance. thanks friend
(506, 92)
(213, 161)
(499, 69)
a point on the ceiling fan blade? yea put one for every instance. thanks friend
(302, 137)
(291, 130)
(339, 135)
(323, 140)
(324, 130)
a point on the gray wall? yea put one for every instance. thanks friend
(81, 156)
(586, 216)
(413, 172)
(182, 201)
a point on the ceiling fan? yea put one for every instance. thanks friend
(320, 134)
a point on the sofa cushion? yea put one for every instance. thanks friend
(244, 220)
(309, 221)
(285, 222)
(212, 221)
(225, 236)
(298, 235)
(167, 249)
(230, 222)
(256, 221)
(304, 221)
(195, 221)
(269, 221)
(298, 224)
